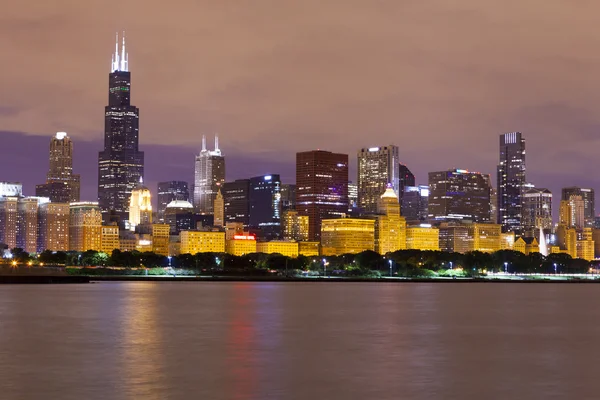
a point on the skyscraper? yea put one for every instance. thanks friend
(511, 178)
(378, 167)
(407, 178)
(120, 164)
(390, 227)
(288, 196)
(321, 187)
(169, 191)
(537, 211)
(459, 195)
(415, 203)
(62, 186)
(236, 201)
(85, 227)
(53, 227)
(140, 206)
(265, 205)
(587, 195)
(209, 176)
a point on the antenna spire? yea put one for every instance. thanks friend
(216, 142)
(203, 142)
(120, 61)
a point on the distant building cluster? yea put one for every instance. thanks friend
(323, 213)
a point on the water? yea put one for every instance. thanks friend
(299, 341)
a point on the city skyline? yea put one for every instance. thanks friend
(544, 121)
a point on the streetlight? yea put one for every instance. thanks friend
(324, 267)
(390, 260)
(450, 264)
(169, 257)
(555, 268)
(506, 267)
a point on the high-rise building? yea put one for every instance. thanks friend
(321, 187)
(179, 215)
(8, 220)
(236, 199)
(265, 205)
(62, 186)
(140, 206)
(511, 178)
(53, 227)
(85, 227)
(390, 227)
(110, 239)
(219, 210)
(378, 167)
(352, 197)
(27, 222)
(169, 191)
(407, 178)
(294, 226)
(288, 197)
(209, 176)
(537, 210)
(120, 164)
(588, 197)
(415, 201)
(456, 238)
(160, 239)
(347, 236)
(458, 194)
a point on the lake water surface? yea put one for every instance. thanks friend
(329, 341)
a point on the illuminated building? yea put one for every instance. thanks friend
(236, 201)
(566, 239)
(407, 178)
(572, 212)
(144, 242)
(120, 164)
(295, 227)
(128, 241)
(110, 239)
(160, 239)
(596, 239)
(422, 238)
(588, 197)
(265, 205)
(209, 175)
(511, 178)
(390, 227)
(8, 220)
(193, 242)
(493, 205)
(168, 192)
(219, 210)
(526, 245)
(11, 189)
(352, 197)
(179, 215)
(455, 238)
(288, 197)
(285, 248)
(507, 240)
(347, 236)
(309, 249)
(537, 210)
(459, 195)
(62, 186)
(140, 206)
(53, 228)
(241, 244)
(414, 205)
(85, 226)
(27, 223)
(378, 167)
(585, 246)
(487, 238)
(321, 187)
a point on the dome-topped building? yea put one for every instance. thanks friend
(140, 206)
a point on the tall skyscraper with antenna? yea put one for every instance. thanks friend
(120, 164)
(209, 175)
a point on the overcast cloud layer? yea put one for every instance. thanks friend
(441, 79)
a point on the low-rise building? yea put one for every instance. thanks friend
(110, 239)
(286, 248)
(241, 245)
(309, 249)
(347, 236)
(526, 245)
(193, 242)
(422, 238)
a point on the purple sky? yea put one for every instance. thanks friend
(440, 79)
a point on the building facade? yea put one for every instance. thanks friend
(294, 226)
(53, 227)
(390, 227)
(265, 205)
(140, 206)
(209, 175)
(378, 167)
(85, 226)
(62, 186)
(588, 197)
(414, 205)
(537, 210)
(511, 179)
(321, 187)
(193, 242)
(167, 192)
(422, 238)
(236, 201)
(347, 236)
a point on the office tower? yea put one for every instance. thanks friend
(459, 195)
(414, 205)
(511, 178)
(160, 239)
(53, 228)
(587, 195)
(537, 210)
(219, 209)
(378, 167)
(288, 197)
(294, 226)
(209, 176)
(8, 220)
(110, 239)
(321, 187)
(347, 236)
(62, 186)
(265, 205)
(236, 199)
(193, 242)
(27, 222)
(455, 237)
(353, 198)
(120, 164)
(140, 206)
(85, 226)
(390, 227)
(406, 179)
(422, 238)
(179, 215)
(493, 205)
(169, 191)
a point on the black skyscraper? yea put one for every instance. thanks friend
(511, 178)
(120, 164)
